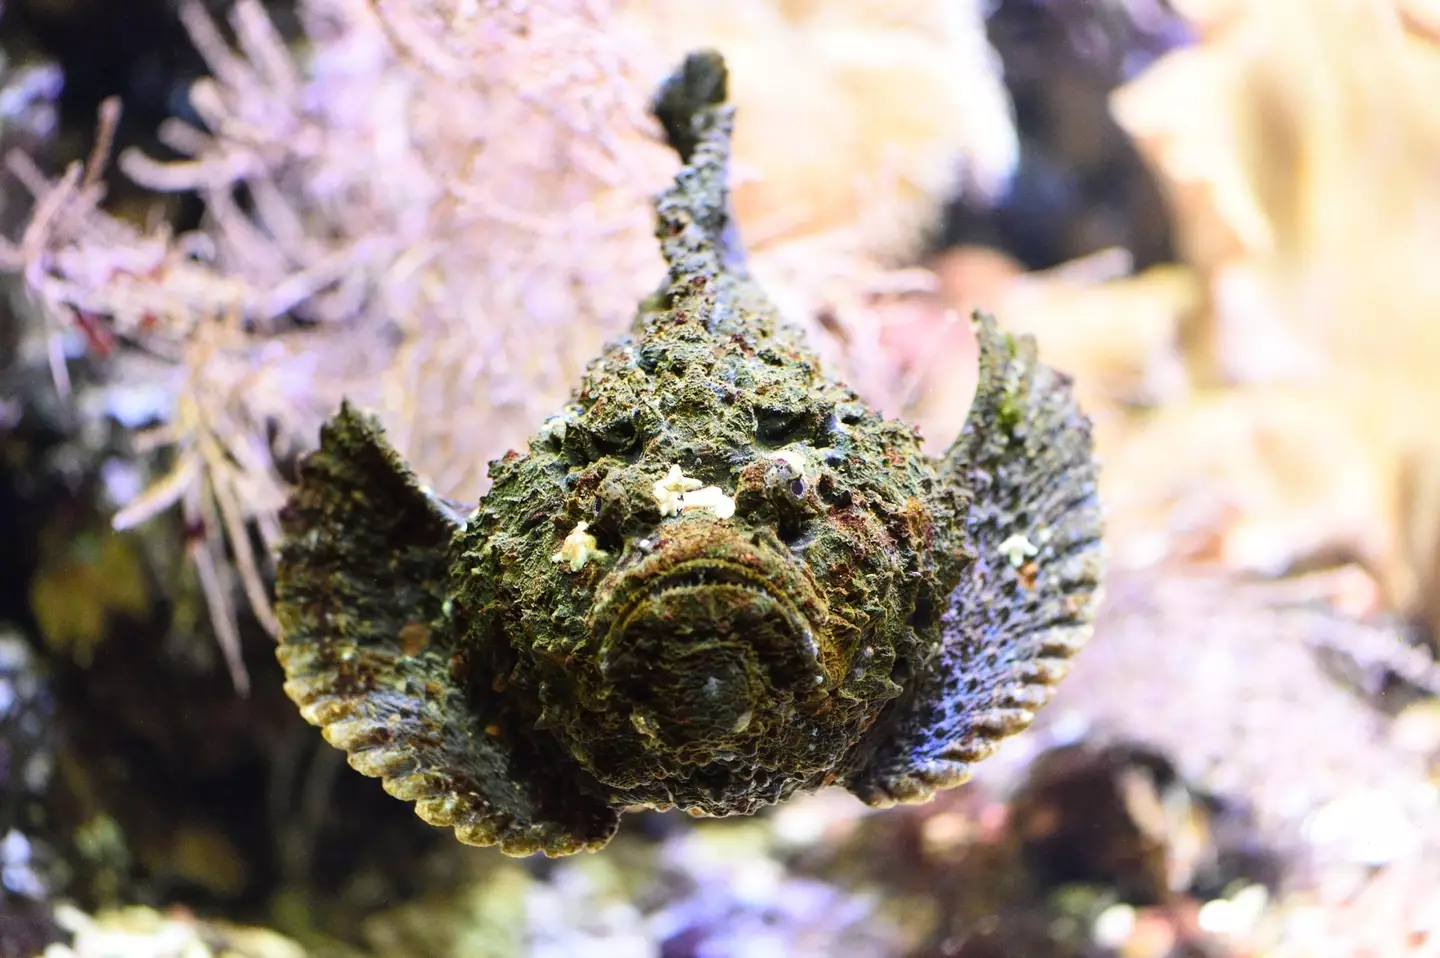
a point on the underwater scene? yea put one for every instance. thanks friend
(679, 479)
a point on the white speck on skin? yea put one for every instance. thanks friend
(797, 463)
(1017, 549)
(578, 548)
(677, 491)
(712, 498)
(670, 490)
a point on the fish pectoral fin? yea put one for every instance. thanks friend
(370, 659)
(1026, 605)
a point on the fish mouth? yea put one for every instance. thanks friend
(716, 586)
(704, 636)
(705, 558)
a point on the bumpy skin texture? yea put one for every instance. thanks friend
(714, 579)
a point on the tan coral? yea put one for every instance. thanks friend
(860, 117)
(1301, 172)
(1297, 145)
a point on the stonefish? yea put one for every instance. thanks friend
(715, 579)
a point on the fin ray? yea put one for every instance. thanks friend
(368, 656)
(1028, 601)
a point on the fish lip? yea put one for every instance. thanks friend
(733, 558)
(717, 574)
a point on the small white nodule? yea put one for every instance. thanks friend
(1017, 549)
(676, 491)
(578, 548)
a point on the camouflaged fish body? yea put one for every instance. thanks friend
(715, 579)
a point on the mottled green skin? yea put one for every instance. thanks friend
(857, 557)
(856, 621)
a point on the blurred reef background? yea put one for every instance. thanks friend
(221, 216)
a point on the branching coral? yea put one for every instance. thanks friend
(440, 214)
(449, 185)
(117, 283)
